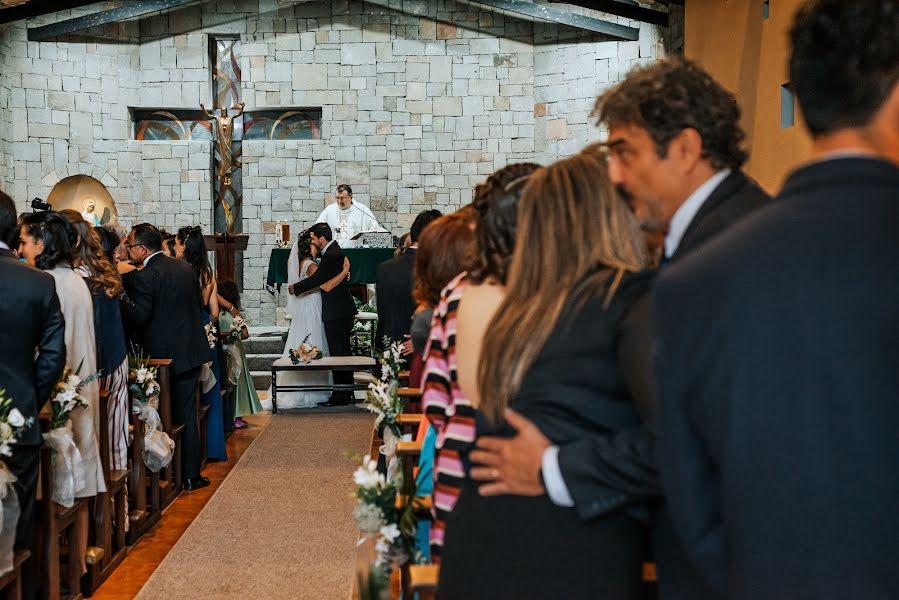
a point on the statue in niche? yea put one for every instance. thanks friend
(225, 124)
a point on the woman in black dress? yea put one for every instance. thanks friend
(552, 353)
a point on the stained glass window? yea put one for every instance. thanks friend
(283, 124)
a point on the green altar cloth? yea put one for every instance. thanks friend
(363, 265)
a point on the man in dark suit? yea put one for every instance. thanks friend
(394, 287)
(678, 166)
(338, 308)
(164, 318)
(32, 321)
(778, 345)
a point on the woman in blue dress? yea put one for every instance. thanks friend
(191, 246)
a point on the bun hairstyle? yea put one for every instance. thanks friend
(496, 203)
(58, 236)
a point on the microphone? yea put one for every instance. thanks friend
(369, 214)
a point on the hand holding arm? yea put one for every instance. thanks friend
(337, 279)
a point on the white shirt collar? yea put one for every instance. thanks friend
(147, 260)
(687, 211)
(3, 246)
(328, 245)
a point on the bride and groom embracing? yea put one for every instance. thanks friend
(321, 307)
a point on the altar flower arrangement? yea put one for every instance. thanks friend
(305, 352)
(159, 448)
(12, 422)
(237, 326)
(67, 471)
(211, 332)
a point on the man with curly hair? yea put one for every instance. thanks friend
(778, 345)
(675, 152)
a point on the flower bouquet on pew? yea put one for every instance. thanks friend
(211, 334)
(382, 399)
(385, 526)
(68, 473)
(159, 448)
(12, 422)
(305, 352)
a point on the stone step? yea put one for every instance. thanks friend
(261, 362)
(263, 345)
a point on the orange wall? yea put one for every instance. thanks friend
(748, 55)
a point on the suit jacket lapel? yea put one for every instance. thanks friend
(694, 235)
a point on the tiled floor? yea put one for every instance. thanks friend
(145, 556)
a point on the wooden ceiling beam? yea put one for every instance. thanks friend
(628, 10)
(136, 8)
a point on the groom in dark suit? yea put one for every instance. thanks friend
(165, 320)
(338, 308)
(32, 320)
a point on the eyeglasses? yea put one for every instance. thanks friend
(130, 246)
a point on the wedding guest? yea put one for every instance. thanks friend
(445, 249)
(246, 401)
(105, 285)
(393, 287)
(32, 359)
(164, 318)
(168, 245)
(445, 405)
(674, 152)
(778, 345)
(47, 241)
(549, 348)
(190, 246)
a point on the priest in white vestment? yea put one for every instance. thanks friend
(348, 217)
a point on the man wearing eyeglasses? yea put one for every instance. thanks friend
(164, 318)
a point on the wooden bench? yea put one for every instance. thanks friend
(56, 523)
(422, 580)
(11, 583)
(328, 363)
(409, 423)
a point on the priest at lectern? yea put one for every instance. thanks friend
(348, 218)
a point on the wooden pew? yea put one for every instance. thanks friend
(170, 478)
(411, 398)
(54, 523)
(409, 422)
(11, 583)
(110, 513)
(423, 581)
(403, 378)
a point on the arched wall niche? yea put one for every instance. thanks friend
(78, 192)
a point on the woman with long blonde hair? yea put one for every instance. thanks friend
(551, 351)
(105, 285)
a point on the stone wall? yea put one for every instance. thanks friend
(420, 101)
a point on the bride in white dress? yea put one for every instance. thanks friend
(306, 320)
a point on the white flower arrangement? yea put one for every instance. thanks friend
(12, 422)
(237, 326)
(381, 397)
(145, 387)
(377, 515)
(211, 332)
(66, 396)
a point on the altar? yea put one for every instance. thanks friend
(363, 265)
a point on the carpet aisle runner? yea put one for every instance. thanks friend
(281, 524)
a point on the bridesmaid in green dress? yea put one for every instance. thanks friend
(240, 382)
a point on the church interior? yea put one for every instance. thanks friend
(329, 169)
